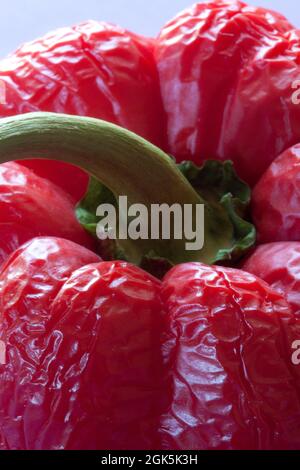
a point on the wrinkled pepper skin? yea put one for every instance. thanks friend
(82, 345)
(279, 265)
(276, 199)
(228, 352)
(226, 72)
(32, 206)
(100, 355)
(92, 69)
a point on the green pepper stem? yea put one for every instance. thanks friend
(124, 162)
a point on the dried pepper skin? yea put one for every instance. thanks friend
(279, 265)
(276, 199)
(33, 206)
(83, 350)
(92, 69)
(29, 282)
(101, 355)
(228, 350)
(226, 73)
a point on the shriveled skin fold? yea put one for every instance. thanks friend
(279, 265)
(276, 199)
(92, 69)
(83, 350)
(228, 351)
(12, 236)
(226, 73)
(31, 206)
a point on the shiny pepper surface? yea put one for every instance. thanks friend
(226, 74)
(82, 346)
(92, 69)
(228, 350)
(31, 206)
(276, 199)
(100, 355)
(217, 82)
(279, 265)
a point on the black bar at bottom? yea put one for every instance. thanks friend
(136, 459)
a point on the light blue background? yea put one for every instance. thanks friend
(23, 20)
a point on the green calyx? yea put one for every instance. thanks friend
(229, 199)
(123, 164)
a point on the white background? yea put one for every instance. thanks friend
(23, 20)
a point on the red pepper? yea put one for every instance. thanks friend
(279, 265)
(85, 356)
(276, 199)
(100, 354)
